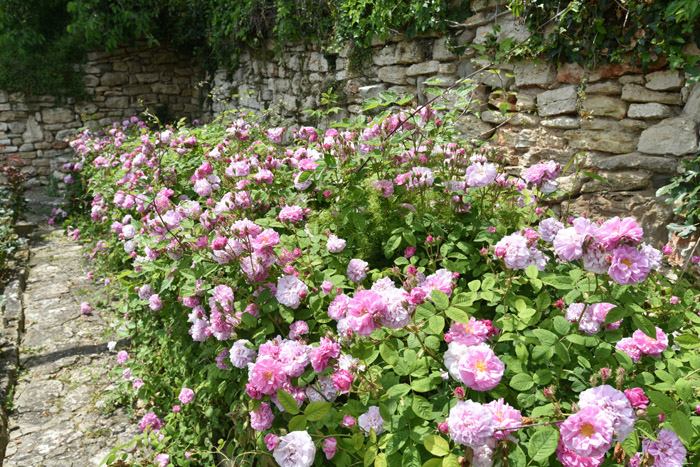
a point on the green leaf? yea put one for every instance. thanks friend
(458, 315)
(297, 423)
(370, 455)
(645, 428)
(532, 271)
(631, 444)
(561, 325)
(687, 341)
(380, 460)
(646, 326)
(595, 177)
(423, 385)
(391, 245)
(440, 299)
(287, 401)
(522, 382)
(315, 411)
(399, 390)
(411, 457)
(616, 314)
(684, 389)
(543, 444)
(436, 324)
(436, 445)
(422, 407)
(545, 337)
(682, 426)
(389, 353)
(451, 461)
(662, 401)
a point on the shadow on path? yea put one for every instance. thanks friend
(93, 349)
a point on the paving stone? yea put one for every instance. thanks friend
(56, 421)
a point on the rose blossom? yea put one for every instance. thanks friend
(295, 449)
(615, 404)
(569, 458)
(290, 291)
(470, 424)
(335, 244)
(262, 418)
(648, 345)
(330, 445)
(371, 420)
(480, 368)
(588, 432)
(356, 270)
(271, 441)
(629, 265)
(637, 398)
(668, 450)
(186, 396)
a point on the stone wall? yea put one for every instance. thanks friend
(119, 84)
(629, 127)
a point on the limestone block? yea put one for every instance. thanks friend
(677, 136)
(633, 125)
(424, 68)
(558, 101)
(631, 79)
(466, 37)
(373, 90)
(626, 180)
(528, 73)
(86, 108)
(57, 115)
(26, 147)
(692, 106)
(409, 52)
(494, 117)
(34, 132)
(160, 88)
(637, 93)
(146, 77)
(117, 102)
(481, 5)
(114, 79)
(524, 119)
(605, 106)
(472, 127)
(537, 137)
(442, 52)
(317, 62)
(634, 160)
(615, 141)
(611, 87)
(562, 123)
(649, 110)
(510, 27)
(63, 135)
(385, 55)
(17, 127)
(449, 68)
(665, 80)
(495, 78)
(392, 74)
(3, 97)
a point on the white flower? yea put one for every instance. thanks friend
(241, 355)
(290, 291)
(371, 420)
(295, 450)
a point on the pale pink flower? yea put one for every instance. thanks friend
(267, 375)
(629, 346)
(290, 291)
(356, 270)
(474, 333)
(325, 351)
(648, 345)
(338, 307)
(504, 416)
(569, 458)
(615, 231)
(615, 404)
(122, 357)
(335, 244)
(297, 329)
(471, 424)
(261, 419)
(295, 449)
(291, 214)
(271, 441)
(85, 308)
(629, 265)
(186, 396)
(548, 229)
(364, 312)
(294, 358)
(588, 432)
(480, 174)
(371, 420)
(667, 450)
(480, 368)
(342, 381)
(155, 303)
(637, 398)
(330, 445)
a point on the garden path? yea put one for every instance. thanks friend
(58, 417)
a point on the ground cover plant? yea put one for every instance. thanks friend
(380, 293)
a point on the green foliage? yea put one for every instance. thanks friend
(684, 194)
(592, 32)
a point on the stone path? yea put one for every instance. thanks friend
(58, 418)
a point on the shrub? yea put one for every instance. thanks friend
(382, 292)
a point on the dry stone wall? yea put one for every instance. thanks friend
(631, 128)
(119, 84)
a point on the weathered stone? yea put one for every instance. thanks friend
(57, 115)
(557, 101)
(665, 80)
(26, 147)
(618, 142)
(466, 37)
(481, 5)
(17, 127)
(34, 132)
(385, 55)
(537, 137)
(652, 214)
(495, 78)
(510, 27)
(3, 97)
(496, 117)
(114, 79)
(625, 180)
(562, 123)
(631, 79)
(637, 93)
(66, 134)
(367, 92)
(649, 110)
(161, 88)
(146, 77)
(472, 127)
(117, 102)
(635, 160)
(442, 52)
(392, 74)
(692, 106)
(604, 106)
(633, 125)
(572, 73)
(677, 136)
(424, 68)
(448, 68)
(528, 73)
(524, 119)
(606, 88)
(317, 62)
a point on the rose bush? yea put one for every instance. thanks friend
(381, 293)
